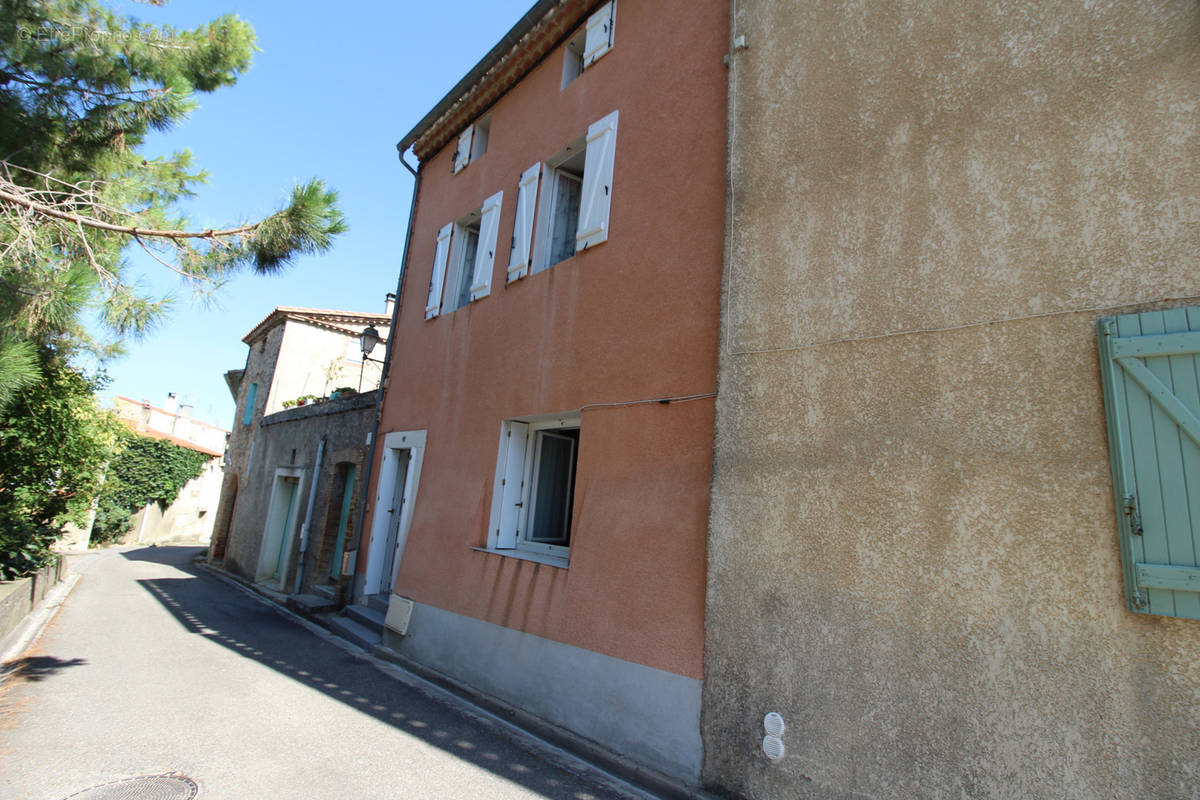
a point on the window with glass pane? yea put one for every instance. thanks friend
(553, 487)
(568, 189)
(470, 246)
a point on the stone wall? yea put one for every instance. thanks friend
(288, 443)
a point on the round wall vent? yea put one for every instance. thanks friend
(773, 747)
(773, 724)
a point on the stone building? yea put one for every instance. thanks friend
(918, 557)
(292, 355)
(302, 495)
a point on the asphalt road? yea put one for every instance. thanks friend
(154, 666)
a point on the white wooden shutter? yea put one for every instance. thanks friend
(597, 183)
(599, 37)
(521, 256)
(462, 156)
(433, 306)
(512, 487)
(485, 252)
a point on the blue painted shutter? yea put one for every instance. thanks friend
(1150, 362)
(251, 398)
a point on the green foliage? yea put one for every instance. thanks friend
(146, 471)
(80, 89)
(302, 400)
(54, 446)
(24, 547)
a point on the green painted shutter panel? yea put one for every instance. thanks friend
(251, 399)
(1150, 364)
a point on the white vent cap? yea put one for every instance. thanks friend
(773, 747)
(773, 724)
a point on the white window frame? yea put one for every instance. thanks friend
(517, 460)
(599, 154)
(459, 271)
(472, 143)
(590, 43)
(455, 272)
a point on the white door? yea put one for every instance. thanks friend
(396, 516)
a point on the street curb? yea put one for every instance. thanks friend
(25, 634)
(441, 687)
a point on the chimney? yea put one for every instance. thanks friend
(172, 403)
(186, 410)
(389, 303)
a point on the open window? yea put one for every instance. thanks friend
(563, 204)
(472, 143)
(463, 259)
(464, 248)
(590, 43)
(559, 216)
(532, 504)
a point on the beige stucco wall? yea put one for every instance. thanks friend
(913, 549)
(188, 519)
(314, 360)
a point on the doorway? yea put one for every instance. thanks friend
(396, 493)
(280, 527)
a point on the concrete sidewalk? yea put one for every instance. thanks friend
(153, 666)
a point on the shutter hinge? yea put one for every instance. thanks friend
(1135, 516)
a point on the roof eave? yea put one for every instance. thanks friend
(532, 17)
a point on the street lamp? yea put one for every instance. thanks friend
(367, 341)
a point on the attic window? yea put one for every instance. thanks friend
(589, 44)
(480, 140)
(472, 143)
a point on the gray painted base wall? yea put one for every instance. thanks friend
(645, 714)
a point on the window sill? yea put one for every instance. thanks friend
(551, 561)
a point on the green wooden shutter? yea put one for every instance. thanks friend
(251, 399)
(1150, 368)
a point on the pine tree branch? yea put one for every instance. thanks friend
(124, 96)
(129, 230)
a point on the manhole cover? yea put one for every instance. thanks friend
(145, 787)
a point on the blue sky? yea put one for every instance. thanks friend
(333, 90)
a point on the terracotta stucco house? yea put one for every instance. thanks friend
(537, 514)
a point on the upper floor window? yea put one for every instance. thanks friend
(463, 259)
(563, 204)
(472, 143)
(589, 44)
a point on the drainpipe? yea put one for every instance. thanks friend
(383, 375)
(312, 501)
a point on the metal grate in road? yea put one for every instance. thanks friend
(169, 786)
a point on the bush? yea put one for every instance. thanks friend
(54, 444)
(24, 546)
